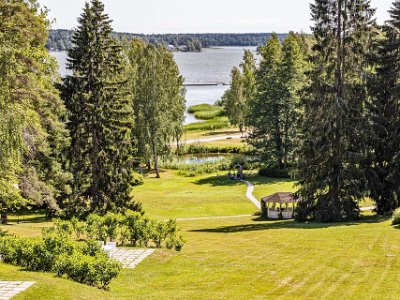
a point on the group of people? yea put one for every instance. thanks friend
(3, 217)
(238, 175)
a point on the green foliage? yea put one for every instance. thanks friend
(332, 151)
(94, 227)
(383, 164)
(274, 172)
(202, 108)
(32, 137)
(396, 217)
(158, 101)
(237, 98)
(210, 125)
(203, 148)
(192, 170)
(56, 252)
(274, 109)
(97, 270)
(208, 115)
(79, 227)
(100, 117)
(130, 227)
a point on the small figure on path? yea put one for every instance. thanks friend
(4, 217)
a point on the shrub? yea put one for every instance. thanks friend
(96, 270)
(396, 217)
(95, 228)
(202, 148)
(82, 262)
(209, 114)
(110, 223)
(79, 227)
(202, 107)
(175, 242)
(3, 232)
(213, 124)
(160, 233)
(137, 179)
(133, 223)
(63, 227)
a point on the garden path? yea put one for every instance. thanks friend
(130, 258)
(9, 289)
(212, 139)
(249, 194)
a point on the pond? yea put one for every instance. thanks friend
(199, 159)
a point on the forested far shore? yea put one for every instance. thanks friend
(61, 39)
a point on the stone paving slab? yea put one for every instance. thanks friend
(130, 258)
(9, 289)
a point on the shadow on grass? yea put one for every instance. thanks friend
(27, 219)
(212, 133)
(223, 180)
(290, 224)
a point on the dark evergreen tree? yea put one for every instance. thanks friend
(333, 135)
(100, 116)
(383, 167)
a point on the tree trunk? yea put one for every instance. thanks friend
(155, 157)
(94, 188)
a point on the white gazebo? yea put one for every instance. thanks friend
(278, 206)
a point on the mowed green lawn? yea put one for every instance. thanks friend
(241, 258)
(202, 196)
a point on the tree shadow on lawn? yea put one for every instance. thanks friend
(223, 180)
(13, 220)
(212, 133)
(290, 224)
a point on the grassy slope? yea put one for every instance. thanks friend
(247, 259)
(241, 258)
(180, 197)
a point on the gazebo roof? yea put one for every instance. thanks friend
(279, 198)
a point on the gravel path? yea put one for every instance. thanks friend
(212, 139)
(249, 194)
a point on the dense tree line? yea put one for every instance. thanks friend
(61, 39)
(71, 146)
(329, 104)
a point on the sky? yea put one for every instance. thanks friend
(199, 16)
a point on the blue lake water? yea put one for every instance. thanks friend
(212, 65)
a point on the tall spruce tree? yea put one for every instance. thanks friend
(100, 116)
(333, 136)
(383, 168)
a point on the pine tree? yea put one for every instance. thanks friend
(333, 138)
(100, 116)
(384, 112)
